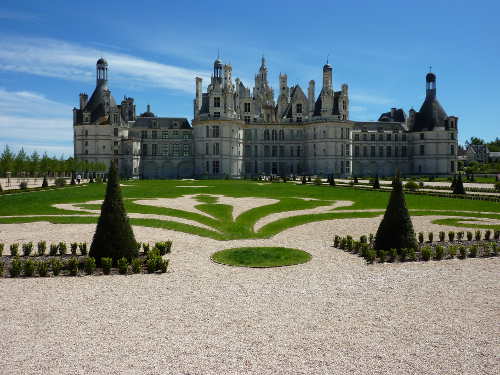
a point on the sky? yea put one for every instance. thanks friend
(382, 49)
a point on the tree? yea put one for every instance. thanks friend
(332, 181)
(113, 237)
(458, 185)
(6, 161)
(396, 229)
(376, 183)
(474, 141)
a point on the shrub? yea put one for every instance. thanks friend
(473, 251)
(41, 246)
(376, 183)
(477, 235)
(136, 265)
(89, 265)
(163, 247)
(1, 249)
(393, 254)
(23, 185)
(495, 248)
(73, 182)
(451, 236)
(83, 248)
(15, 268)
(371, 237)
(371, 255)
(145, 248)
(106, 264)
(164, 265)
(421, 237)
(381, 256)
(403, 254)
(457, 185)
(14, 249)
(45, 183)
(469, 236)
(74, 247)
(426, 253)
(151, 264)
(460, 235)
(363, 239)
(29, 267)
(113, 237)
(411, 185)
(62, 248)
(123, 266)
(364, 250)
(396, 220)
(462, 250)
(304, 181)
(42, 268)
(439, 253)
(355, 246)
(73, 266)
(54, 248)
(60, 182)
(139, 246)
(56, 266)
(27, 248)
(2, 265)
(349, 244)
(441, 236)
(412, 255)
(336, 241)
(487, 235)
(452, 251)
(317, 181)
(430, 236)
(496, 235)
(497, 186)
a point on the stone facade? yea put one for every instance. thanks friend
(238, 132)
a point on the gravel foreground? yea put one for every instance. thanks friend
(333, 315)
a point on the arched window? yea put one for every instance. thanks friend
(274, 135)
(266, 134)
(281, 135)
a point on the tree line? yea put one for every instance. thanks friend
(21, 164)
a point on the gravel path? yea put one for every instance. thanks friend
(333, 315)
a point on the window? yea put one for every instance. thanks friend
(372, 137)
(217, 102)
(176, 150)
(154, 149)
(154, 134)
(403, 137)
(356, 150)
(247, 107)
(452, 149)
(115, 118)
(247, 119)
(248, 151)
(215, 131)
(346, 150)
(298, 108)
(86, 133)
(274, 151)
(215, 166)
(206, 149)
(356, 137)
(380, 152)
(115, 132)
(282, 151)
(380, 137)
(452, 166)
(396, 137)
(342, 133)
(115, 143)
(207, 167)
(145, 149)
(267, 151)
(176, 133)
(274, 135)
(372, 151)
(299, 119)
(86, 143)
(365, 151)
(281, 135)
(421, 135)
(165, 149)
(388, 137)
(255, 151)
(115, 152)
(388, 151)
(164, 135)
(216, 114)
(185, 150)
(266, 135)
(86, 152)
(186, 135)
(422, 150)
(207, 135)
(299, 151)
(452, 135)
(403, 150)
(144, 134)
(216, 149)
(365, 137)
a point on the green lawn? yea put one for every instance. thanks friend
(261, 257)
(221, 222)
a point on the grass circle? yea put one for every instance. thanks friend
(261, 257)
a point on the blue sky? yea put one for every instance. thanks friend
(381, 49)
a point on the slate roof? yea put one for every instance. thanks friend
(430, 115)
(95, 104)
(395, 115)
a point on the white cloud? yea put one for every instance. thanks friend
(59, 59)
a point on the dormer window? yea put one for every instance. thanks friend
(247, 107)
(298, 108)
(217, 102)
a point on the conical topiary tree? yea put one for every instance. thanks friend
(45, 183)
(332, 180)
(396, 229)
(113, 237)
(458, 186)
(376, 183)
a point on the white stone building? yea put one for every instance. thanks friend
(238, 132)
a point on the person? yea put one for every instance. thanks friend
(78, 178)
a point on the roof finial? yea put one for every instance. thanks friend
(430, 68)
(263, 60)
(218, 54)
(327, 57)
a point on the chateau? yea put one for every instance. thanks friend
(237, 132)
